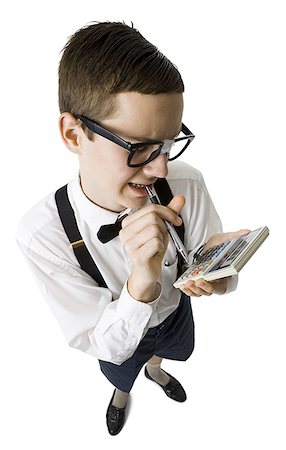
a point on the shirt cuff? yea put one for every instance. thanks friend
(127, 306)
(232, 284)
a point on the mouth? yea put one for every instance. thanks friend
(140, 188)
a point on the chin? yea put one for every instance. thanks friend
(135, 203)
(133, 199)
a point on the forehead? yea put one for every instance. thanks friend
(156, 116)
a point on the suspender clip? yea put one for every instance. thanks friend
(76, 244)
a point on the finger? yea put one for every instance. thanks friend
(191, 288)
(233, 234)
(238, 233)
(151, 249)
(162, 211)
(219, 238)
(189, 292)
(220, 286)
(133, 241)
(140, 222)
(204, 286)
(177, 203)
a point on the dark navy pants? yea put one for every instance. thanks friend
(172, 339)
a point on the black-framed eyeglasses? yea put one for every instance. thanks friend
(142, 153)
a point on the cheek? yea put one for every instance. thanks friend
(102, 158)
(108, 163)
(112, 165)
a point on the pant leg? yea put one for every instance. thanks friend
(172, 339)
(124, 376)
(176, 340)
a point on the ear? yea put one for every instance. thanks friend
(70, 131)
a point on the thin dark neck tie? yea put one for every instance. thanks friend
(107, 232)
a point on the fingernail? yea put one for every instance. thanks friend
(179, 220)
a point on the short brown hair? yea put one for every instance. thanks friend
(106, 58)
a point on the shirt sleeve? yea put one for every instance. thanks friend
(90, 319)
(199, 214)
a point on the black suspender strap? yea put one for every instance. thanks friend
(81, 252)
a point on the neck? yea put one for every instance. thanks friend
(92, 201)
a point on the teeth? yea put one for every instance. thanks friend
(140, 186)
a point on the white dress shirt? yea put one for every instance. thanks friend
(90, 320)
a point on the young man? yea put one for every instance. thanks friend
(121, 109)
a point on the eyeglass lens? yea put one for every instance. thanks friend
(147, 152)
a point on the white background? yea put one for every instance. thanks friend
(232, 58)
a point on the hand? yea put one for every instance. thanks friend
(145, 238)
(202, 287)
(220, 238)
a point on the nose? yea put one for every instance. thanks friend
(157, 168)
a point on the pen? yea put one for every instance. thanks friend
(171, 230)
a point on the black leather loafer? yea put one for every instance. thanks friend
(115, 417)
(173, 389)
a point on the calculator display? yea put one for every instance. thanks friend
(230, 256)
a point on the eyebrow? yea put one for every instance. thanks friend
(143, 140)
(147, 140)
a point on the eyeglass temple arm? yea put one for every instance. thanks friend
(92, 126)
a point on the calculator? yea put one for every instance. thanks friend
(225, 259)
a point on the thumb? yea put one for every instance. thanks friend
(233, 234)
(177, 203)
(220, 238)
